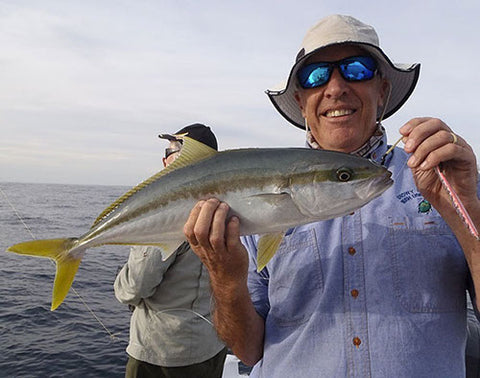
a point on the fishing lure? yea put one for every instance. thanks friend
(456, 201)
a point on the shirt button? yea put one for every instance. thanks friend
(352, 250)
(354, 293)
(357, 341)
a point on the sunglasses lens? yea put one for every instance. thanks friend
(313, 75)
(358, 68)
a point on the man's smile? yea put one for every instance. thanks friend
(333, 113)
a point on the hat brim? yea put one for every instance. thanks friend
(169, 137)
(402, 77)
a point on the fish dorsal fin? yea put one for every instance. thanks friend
(267, 247)
(192, 151)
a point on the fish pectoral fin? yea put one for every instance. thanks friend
(168, 248)
(59, 251)
(267, 247)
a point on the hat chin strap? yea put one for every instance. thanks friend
(387, 100)
(311, 142)
(307, 128)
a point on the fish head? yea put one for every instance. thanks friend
(335, 184)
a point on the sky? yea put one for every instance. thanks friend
(87, 86)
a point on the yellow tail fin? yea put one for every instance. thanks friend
(67, 263)
(267, 247)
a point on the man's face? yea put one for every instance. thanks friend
(341, 114)
(173, 152)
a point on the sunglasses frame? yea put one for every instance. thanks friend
(365, 60)
(169, 151)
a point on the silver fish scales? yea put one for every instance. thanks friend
(270, 190)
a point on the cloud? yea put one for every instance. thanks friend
(90, 84)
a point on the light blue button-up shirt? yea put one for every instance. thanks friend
(378, 293)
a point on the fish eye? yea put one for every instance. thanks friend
(344, 174)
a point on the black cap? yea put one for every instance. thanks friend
(197, 131)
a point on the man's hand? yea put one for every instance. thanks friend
(216, 241)
(431, 142)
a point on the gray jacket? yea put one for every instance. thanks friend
(171, 323)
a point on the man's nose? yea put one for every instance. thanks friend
(337, 86)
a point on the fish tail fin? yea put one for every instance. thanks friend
(67, 263)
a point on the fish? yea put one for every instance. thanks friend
(269, 189)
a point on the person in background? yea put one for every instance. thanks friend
(170, 330)
(380, 292)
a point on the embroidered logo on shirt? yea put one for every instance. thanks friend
(408, 195)
(424, 207)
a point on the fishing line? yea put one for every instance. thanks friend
(17, 214)
(112, 336)
(185, 309)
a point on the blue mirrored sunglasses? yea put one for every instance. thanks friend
(355, 68)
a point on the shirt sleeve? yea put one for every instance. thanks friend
(257, 281)
(140, 276)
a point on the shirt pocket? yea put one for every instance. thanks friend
(296, 279)
(429, 268)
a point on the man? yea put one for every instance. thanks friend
(170, 331)
(379, 292)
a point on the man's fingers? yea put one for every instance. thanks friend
(432, 159)
(429, 128)
(430, 141)
(232, 234)
(188, 228)
(412, 124)
(438, 144)
(202, 226)
(217, 231)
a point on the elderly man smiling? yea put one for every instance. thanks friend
(382, 291)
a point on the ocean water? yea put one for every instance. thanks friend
(70, 341)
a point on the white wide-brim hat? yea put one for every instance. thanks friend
(335, 30)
